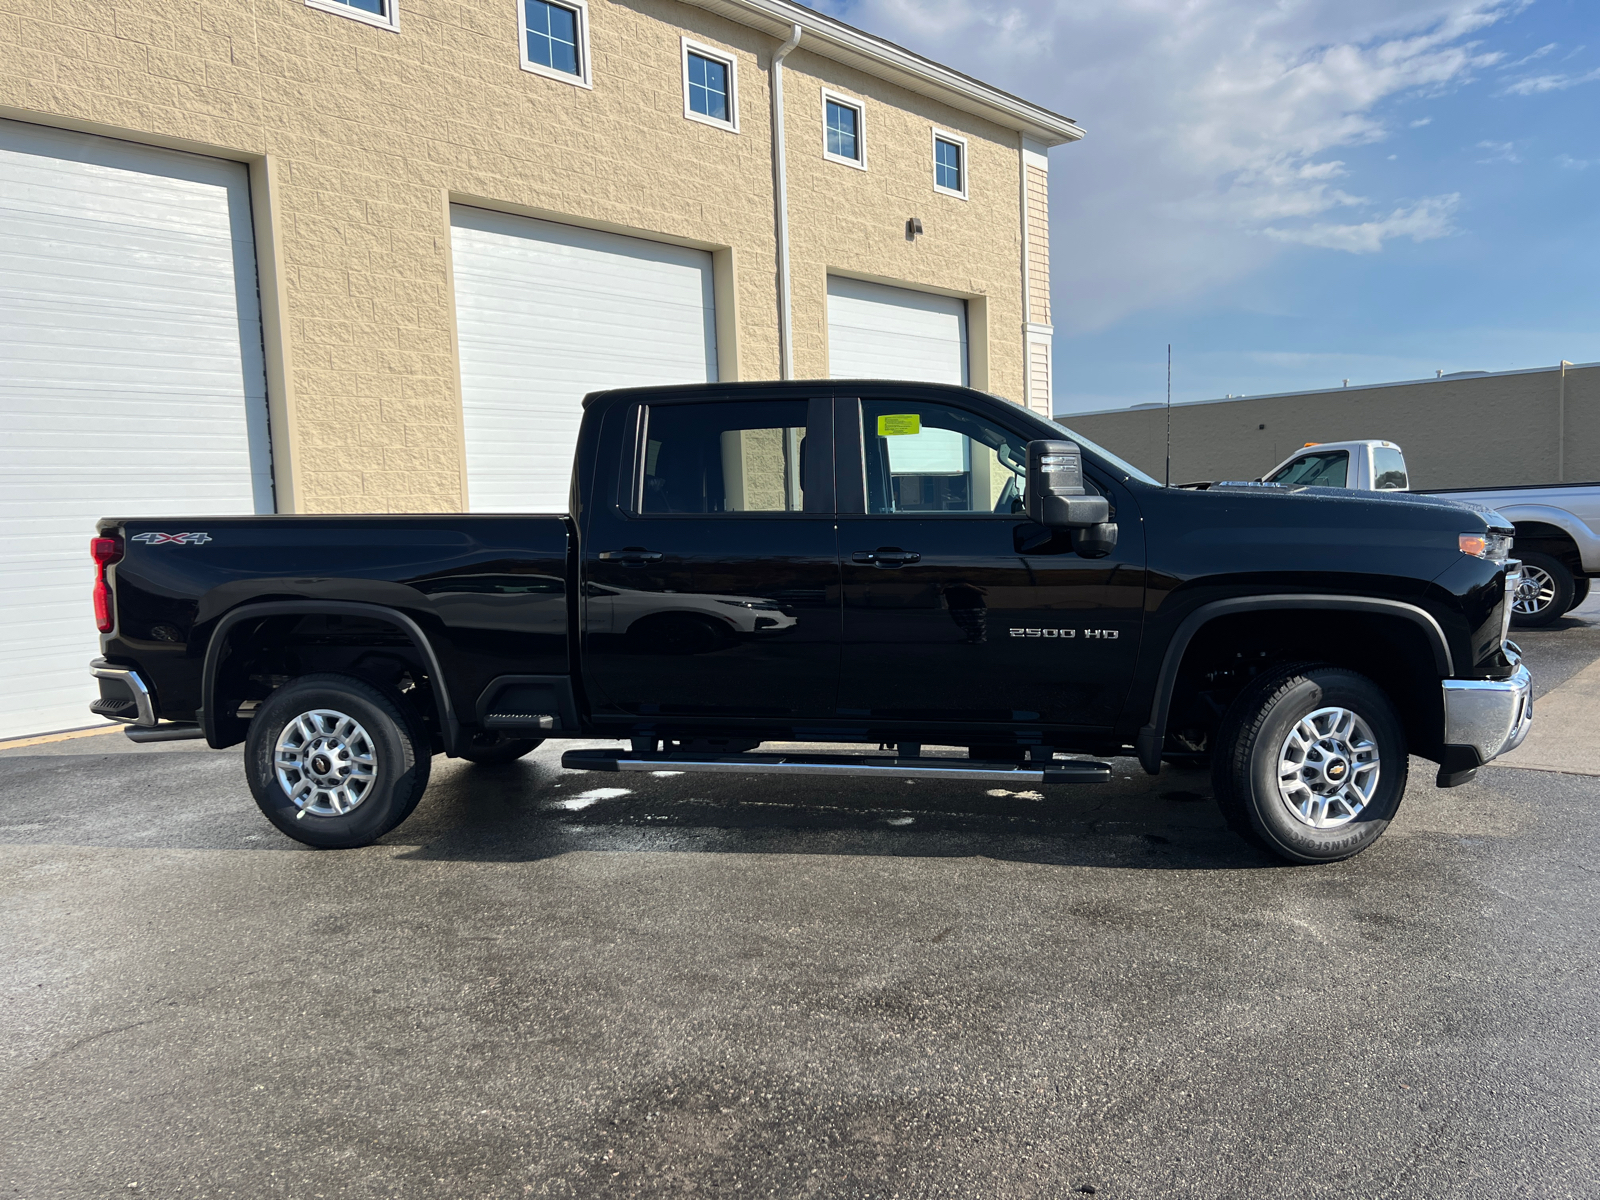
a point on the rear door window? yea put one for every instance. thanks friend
(1328, 469)
(744, 456)
(1388, 470)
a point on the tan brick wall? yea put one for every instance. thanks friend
(1456, 433)
(369, 133)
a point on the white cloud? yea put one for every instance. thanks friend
(1422, 222)
(1210, 122)
(1528, 58)
(1574, 164)
(1420, 123)
(1534, 85)
(1499, 152)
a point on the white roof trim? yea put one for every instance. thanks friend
(846, 44)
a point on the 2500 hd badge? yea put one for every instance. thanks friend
(1108, 634)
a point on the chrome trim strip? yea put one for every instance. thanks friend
(101, 669)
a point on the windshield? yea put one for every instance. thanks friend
(1330, 468)
(1102, 452)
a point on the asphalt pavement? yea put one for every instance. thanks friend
(555, 984)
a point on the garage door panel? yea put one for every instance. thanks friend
(131, 380)
(880, 332)
(547, 313)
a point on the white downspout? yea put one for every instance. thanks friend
(780, 180)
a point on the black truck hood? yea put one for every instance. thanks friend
(1324, 495)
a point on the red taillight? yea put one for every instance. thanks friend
(104, 551)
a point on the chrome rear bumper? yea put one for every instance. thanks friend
(124, 695)
(1492, 716)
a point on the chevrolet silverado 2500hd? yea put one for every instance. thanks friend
(884, 564)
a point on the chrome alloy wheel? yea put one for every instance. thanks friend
(326, 763)
(1328, 768)
(1536, 591)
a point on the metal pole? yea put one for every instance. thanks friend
(1561, 427)
(1168, 480)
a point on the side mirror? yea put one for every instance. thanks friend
(1056, 497)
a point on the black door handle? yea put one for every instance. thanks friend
(631, 556)
(886, 556)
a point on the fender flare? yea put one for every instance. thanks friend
(307, 608)
(1154, 734)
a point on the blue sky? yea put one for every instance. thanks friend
(1300, 192)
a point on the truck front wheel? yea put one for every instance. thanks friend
(334, 762)
(1311, 763)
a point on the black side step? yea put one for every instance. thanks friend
(1067, 771)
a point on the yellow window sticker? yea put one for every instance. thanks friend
(899, 424)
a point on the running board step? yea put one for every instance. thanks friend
(1066, 771)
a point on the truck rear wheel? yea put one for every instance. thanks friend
(1543, 593)
(1311, 763)
(334, 762)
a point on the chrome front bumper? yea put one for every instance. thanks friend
(1490, 715)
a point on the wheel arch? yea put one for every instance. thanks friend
(222, 731)
(1424, 630)
(1541, 535)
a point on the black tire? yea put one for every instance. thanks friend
(1580, 591)
(392, 732)
(1255, 731)
(1545, 593)
(493, 754)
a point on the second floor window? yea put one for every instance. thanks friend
(949, 165)
(373, 12)
(841, 130)
(710, 86)
(553, 40)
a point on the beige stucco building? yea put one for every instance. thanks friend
(1471, 430)
(372, 141)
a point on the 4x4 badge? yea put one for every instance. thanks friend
(181, 539)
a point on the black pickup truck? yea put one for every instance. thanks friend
(891, 565)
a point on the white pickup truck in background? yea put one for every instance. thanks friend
(1556, 523)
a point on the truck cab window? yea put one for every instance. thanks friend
(923, 458)
(1330, 469)
(724, 457)
(1388, 470)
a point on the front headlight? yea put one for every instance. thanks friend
(1496, 547)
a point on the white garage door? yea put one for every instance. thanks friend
(881, 332)
(546, 313)
(131, 381)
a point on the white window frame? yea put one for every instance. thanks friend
(582, 78)
(844, 101)
(727, 59)
(956, 139)
(391, 21)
